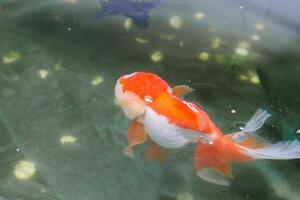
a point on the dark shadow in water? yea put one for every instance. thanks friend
(165, 197)
(250, 184)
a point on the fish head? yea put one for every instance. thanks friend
(135, 91)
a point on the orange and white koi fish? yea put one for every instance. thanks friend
(157, 111)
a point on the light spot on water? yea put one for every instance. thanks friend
(141, 40)
(58, 67)
(184, 196)
(241, 51)
(255, 79)
(128, 24)
(70, 1)
(11, 57)
(69, 29)
(156, 56)
(17, 149)
(216, 42)
(167, 36)
(243, 44)
(180, 44)
(259, 26)
(176, 22)
(242, 48)
(251, 76)
(43, 73)
(67, 139)
(243, 77)
(199, 15)
(255, 37)
(233, 111)
(24, 170)
(298, 131)
(203, 56)
(242, 7)
(97, 81)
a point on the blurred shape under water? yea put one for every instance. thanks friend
(137, 10)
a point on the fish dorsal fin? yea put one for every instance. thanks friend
(181, 90)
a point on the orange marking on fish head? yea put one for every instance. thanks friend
(135, 91)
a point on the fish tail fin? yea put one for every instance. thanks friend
(213, 159)
(283, 150)
(257, 147)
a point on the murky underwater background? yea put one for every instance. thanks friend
(62, 133)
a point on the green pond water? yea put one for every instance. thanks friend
(62, 134)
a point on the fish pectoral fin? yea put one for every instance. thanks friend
(128, 151)
(136, 135)
(155, 152)
(182, 90)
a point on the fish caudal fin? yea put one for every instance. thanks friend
(283, 150)
(213, 159)
(258, 147)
